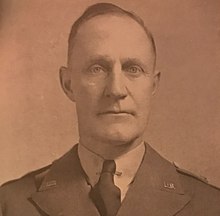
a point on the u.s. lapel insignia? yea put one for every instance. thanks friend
(51, 183)
(169, 185)
(48, 185)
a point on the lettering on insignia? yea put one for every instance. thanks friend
(169, 185)
(51, 183)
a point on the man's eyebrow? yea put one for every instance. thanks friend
(100, 59)
(133, 61)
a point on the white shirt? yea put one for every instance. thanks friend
(126, 166)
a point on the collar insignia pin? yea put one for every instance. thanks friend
(169, 185)
(51, 183)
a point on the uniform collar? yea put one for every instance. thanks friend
(126, 165)
(156, 189)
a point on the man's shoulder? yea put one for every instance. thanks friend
(31, 181)
(15, 194)
(198, 187)
(190, 183)
(25, 184)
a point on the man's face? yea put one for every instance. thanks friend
(112, 78)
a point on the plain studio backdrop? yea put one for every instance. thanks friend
(37, 121)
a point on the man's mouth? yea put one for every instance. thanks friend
(117, 113)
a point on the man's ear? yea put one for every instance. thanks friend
(156, 78)
(65, 81)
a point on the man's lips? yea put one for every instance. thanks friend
(113, 112)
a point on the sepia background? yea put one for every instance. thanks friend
(38, 123)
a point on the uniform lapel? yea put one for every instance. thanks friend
(64, 190)
(156, 189)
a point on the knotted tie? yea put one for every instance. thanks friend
(105, 194)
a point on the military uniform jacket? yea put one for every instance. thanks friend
(61, 189)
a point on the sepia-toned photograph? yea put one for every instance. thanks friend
(109, 108)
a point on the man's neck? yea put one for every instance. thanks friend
(109, 149)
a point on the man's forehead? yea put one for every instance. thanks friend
(108, 38)
(106, 30)
(111, 22)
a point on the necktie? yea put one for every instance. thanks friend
(105, 194)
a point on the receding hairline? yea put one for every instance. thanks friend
(101, 9)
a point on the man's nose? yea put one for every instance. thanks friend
(115, 86)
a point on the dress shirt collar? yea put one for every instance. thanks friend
(126, 166)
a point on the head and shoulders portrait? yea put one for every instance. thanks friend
(112, 77)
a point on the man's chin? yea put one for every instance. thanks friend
(119, 136)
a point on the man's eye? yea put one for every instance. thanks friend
(96, 69)
(134, 70)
